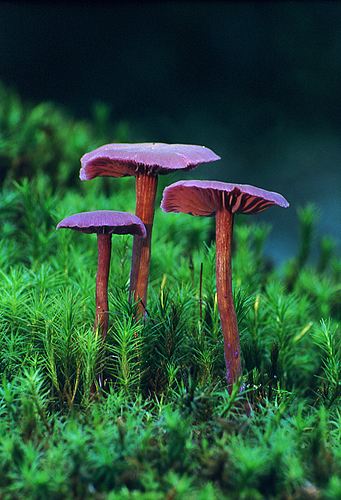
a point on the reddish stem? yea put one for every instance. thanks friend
(103, 268)
(146, 187)
(228, 318)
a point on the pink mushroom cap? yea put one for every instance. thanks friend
(206, 197)
(104, 222)
(119, 160)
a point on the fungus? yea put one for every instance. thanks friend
(222, 200)
(145, 161)
(104, 223)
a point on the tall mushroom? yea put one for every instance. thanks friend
(222, 200)
(104, 223)
(145, 161)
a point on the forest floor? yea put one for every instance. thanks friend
(163, 425)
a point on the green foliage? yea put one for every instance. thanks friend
(163, 422)
(145, 413)
(326, 337)
(39, 138)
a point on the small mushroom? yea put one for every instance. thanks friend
(145, 161)
(104, 223)
(222, 200)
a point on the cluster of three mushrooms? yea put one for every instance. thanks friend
(145, 162)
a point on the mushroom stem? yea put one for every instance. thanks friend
(103, 268)
(146, 186)
(228, 318)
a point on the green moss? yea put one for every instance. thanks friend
(165, 425)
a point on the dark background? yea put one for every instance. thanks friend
(259, 83)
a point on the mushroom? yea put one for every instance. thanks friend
(145, 161)
(104, 223)
(222, 200)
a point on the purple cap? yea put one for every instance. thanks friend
(119, 160)
(206, 197)
(104, 222)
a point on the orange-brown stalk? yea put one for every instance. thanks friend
(228, 318)
(146, 187)
(103, 268)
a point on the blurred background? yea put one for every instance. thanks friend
(259, 83)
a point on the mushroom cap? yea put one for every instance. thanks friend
(206, 197)
(119, 160)
(104, 222)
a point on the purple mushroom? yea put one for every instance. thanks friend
(222, 200)
(104, 223)
(145, 161)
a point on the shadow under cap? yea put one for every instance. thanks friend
(119, 160)
(204, 198)
(104, 222)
